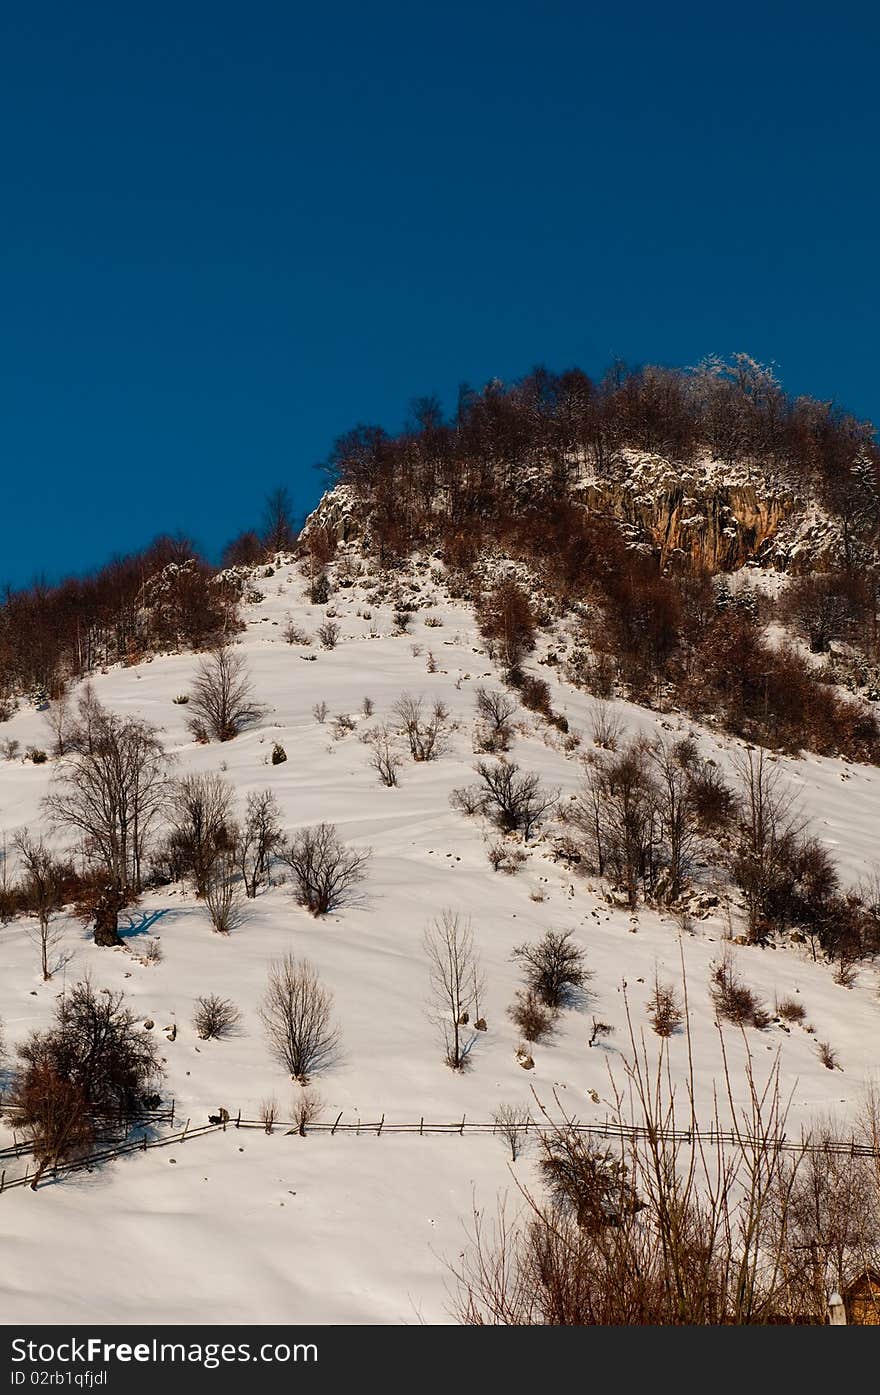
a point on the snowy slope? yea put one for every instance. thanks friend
(368, 1222)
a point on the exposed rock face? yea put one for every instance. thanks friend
(696, 523)
(700, 517)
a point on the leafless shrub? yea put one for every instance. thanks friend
(495, 710)
(467, 800)
(293, 633)
(828, 1056)
(512, 1122)
(456, 983)
(599, 1031)
(343, 725)
(384, 759)
(790, 1010)
(430, 663)
(328, 634)
(224, 896)
(503, 857)
(664, 1009)
(326, 872)
(554, 968)
(368, 707)
(320, 712)
(269, 1113)
(731, 997)
(517, 802)
(846, 972)
(215, 1017)
(296, 1012)
(533, 1018)
(606, 727)
(307, 1106)
(152, 952)
(427, 735)
(221, 699)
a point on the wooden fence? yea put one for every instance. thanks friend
(608, 1130)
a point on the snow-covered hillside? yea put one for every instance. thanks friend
(195, 1231)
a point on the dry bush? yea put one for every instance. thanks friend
(152, 952)
(467, 799)
(268, 1113)
(731, 997)
(658, 1229)
(505, 858)
(495, 710)
(512, 1122)
(343, 725)
(554, 968)
(296, 1012)
(368, 707)
(517, 802)
(320, 712)
(215, 1017)
(293, 633)
(221, 702)
(790, 1010)
(534, 694)
(533, 1018)
(224, 896)
(606, 727)
(427, 735)
(307, 1106)
(326, 873)
(599, 1031)
(328, 634)
(828, 1056)
(384, 759)
(664, 1009)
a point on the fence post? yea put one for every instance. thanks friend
(338, 1117)
(461, 1130)
(238, 1120)
(2, 1180)
(358, 1133)
(421, 1126)
(183, 1135)
(171, 1121)
(381, 1122)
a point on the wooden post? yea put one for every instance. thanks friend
(238, 1120)
(381, 1122)
(183, 1135)
(461, 1130)
(2, 1180)
(338, 1117)
(421, 1125)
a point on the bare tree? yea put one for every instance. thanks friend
(427, 735)
(769, 826)
(516, 801)
(279, 533)
(664, 1009)
(60, 721)
(384, 759)
(325, 871)
(111, 789)
(307, 1106)
(42, 888)
(297, 1014)
(221, 702)
(495, 710)
(223, 895)
(258, 838)
(328, 633)
(512, 1123)
(456, 983)
(202, 825)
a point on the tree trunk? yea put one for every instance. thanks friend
(107, 917)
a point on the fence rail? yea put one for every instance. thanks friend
(608, 1129)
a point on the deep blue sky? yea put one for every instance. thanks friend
(230, 232)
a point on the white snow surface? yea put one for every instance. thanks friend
(194, 1232)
